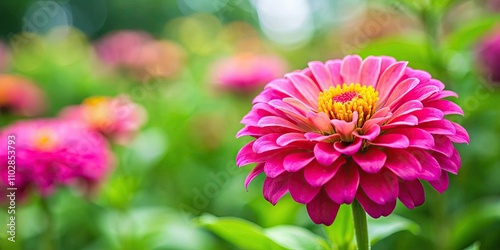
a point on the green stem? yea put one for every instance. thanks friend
(360, 226)
(48, 235)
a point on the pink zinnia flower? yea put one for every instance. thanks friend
(20, 96)
(348, 129)
(163, 59)
(117, 118)
(121, 48)
(246, 72)
(52, 152)
(488, 54)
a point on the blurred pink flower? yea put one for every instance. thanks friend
(117, 118)
(140, 55)
(246, 72)
(53, 152)
(488, 54)
(120, 49)
(164, 59)
(348, 129)
(20, 96)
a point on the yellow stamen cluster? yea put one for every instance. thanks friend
(45, 140)
(341, 101)
(97, 111)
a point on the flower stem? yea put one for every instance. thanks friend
(360, 226)
(48, 236)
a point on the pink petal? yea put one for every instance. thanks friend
(386, 62)
(306, 87)
(297, 104)
(312, 136)
(347, 148)
(350, 69)
(322, 210)
(370, 161)
(407, 108)
(325, 153)
(428, 115)
(399, 92)
(461, 135)
(275, 121)
(370, 134)
(420, 93)
(321, 122)
(274, 167)
(333, 66)
(442, 184)
(411, 193)
(373, 209)
(382, 187)
(321, 74)
(317, 175)
(379, 117)
(300, 190)
(275, 188)
(430, 170)
(267, 95)
(289, 138)
(423, 76)
(443, 94)
(443, 145)
(404, 120)
(388, 80)
(418, 138)
(442, 127)
(343, 186)
(296, 161)
(286, 87)
(246, 155)
(446, 163)
(255, 171)
(436, 83)
(266, 143)
(369, 71)
(448, 107)
(344, 128)
(391, 141)
(288, 108)
(403, 164)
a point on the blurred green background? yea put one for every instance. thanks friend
(176, 185)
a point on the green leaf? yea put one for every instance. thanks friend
(475, 246)
(404, 48)
(468, 34)
(474, 221)
(384, 227)
(341, 232)
(293, 237)
(241, 233)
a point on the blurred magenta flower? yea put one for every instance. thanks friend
(246, 72)
(488, 54)
(348, 129)
(121, 48)
(51, 152)
(20, 96)
(163, 59)
(140, 55)
(117, 118)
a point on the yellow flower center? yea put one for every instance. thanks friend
(341, 101)
(45, 140)
(97, 111)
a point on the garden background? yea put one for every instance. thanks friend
(175, 184)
